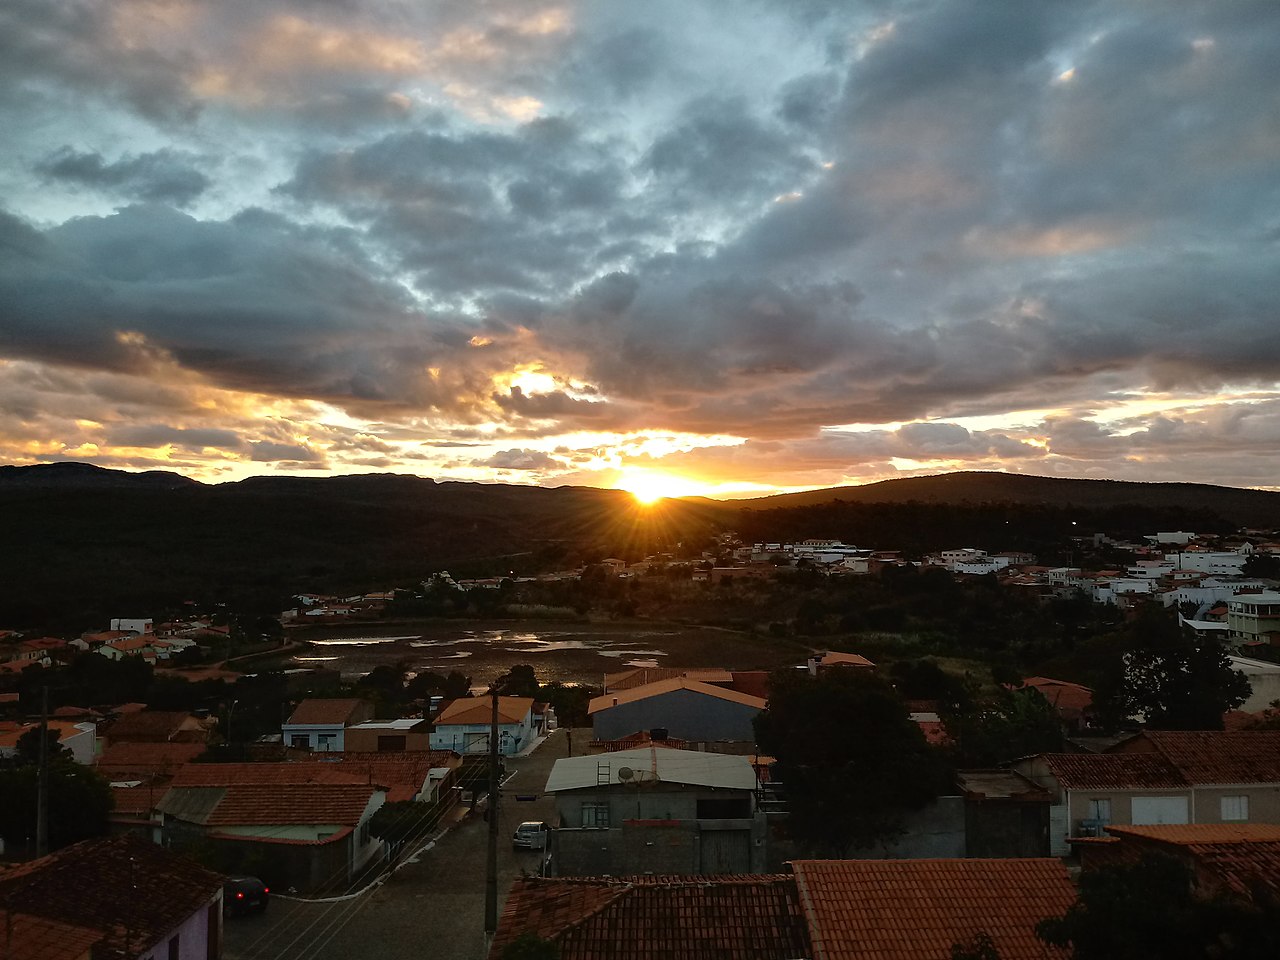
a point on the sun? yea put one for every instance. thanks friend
(650, 486)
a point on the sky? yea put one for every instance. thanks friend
(719, 248)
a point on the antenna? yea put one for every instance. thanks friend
(625, 774)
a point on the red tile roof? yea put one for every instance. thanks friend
(38, 938)
(1217, 756)
(121, 886)
(1114, 771)
(401, 774)
(1068, 697)
(473, 710)
(267, 804)
(658, 918)
(1244, 857)
(325, 711)
(156, 726)
(836, 659)
(914, 909)
(145, 759)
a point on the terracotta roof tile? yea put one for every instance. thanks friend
(1244, 857)
(145, 759)
(836, 659)
(472, 710)
(913, 909)
(661, 687)
(401, 774)
(39, 938)
(1065, 696)
(656, 918)
(1216, 756)
(150, 726)
(263, 804)
(1114, 771)
(113, 885)
(325, 711)
(639, 676)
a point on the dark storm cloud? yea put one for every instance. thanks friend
(165, 176)
(159, 435)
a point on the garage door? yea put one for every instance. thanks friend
(726, 851)
(1160, 810)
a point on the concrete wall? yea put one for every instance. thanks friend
(685, 714)
(1263, 677)
(193, 935)
(1005, 828)
(365, 739)
(657, 831)
(474, 737)
(938, 830)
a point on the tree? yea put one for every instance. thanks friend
(852, 762)
(529, 946)
(28, 746)
(1149, 911)
(1011, 724)
(1165, 675)
(79, 801)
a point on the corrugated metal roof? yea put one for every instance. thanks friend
(674, 766)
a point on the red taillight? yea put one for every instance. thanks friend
(239, 895)
(266, 889)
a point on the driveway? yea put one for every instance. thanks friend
(432, 907)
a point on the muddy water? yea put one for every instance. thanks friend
(558, 650)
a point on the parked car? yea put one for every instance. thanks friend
(244, 895)
(530, 835)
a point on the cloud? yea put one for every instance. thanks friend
(520, 460)
(165, 176)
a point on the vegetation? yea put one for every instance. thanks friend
(1150, 910)
(852, 761)
(79, 802)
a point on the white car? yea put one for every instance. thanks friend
(530, 835)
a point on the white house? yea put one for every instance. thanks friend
(464, 725)
(322, 724)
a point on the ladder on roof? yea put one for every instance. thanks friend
(602, 773)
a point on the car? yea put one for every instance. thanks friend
(530, 835)
(244, 895)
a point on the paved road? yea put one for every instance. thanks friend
(432, 908)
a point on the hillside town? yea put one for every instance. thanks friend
(658, 798)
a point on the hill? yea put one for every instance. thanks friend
(1243, 508)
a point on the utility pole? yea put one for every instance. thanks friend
(491, 863)
(42, 778)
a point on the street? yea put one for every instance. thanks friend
(434, 907)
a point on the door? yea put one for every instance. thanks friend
(1151, 810)
(726, 851)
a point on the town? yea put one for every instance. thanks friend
(855, 762)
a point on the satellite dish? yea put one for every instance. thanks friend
(625, 774)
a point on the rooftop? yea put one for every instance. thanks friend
(652, 764)
(1214, 756)
(639, 676)
(474, 710)
(262, 804)
(1114, 771)
(911, 909)
(661, 687)
(1000, 785)
(335, 712)
(122, 886)
(656, 918)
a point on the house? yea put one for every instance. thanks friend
(112, 898)
(1264, 682)
(159, 726)
(1231, 859)
(640, 676)
(322, 724)
(464, 725)
(1254, 619)
(312, 836)
(823, 661)
(685, 709)
(828, 909)
(658, 811)
(1071, 701)
(1005, 814)
(658, 918)
(913, 909)
(389, 736)
(1161, 777)
(78, 738)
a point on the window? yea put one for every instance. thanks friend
(174, 952)
(324, 741)
(1235, 808)
(300, 740)
(1100, 809)
(392, 743)
(595, 815)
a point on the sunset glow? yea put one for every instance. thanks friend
(668, 249)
